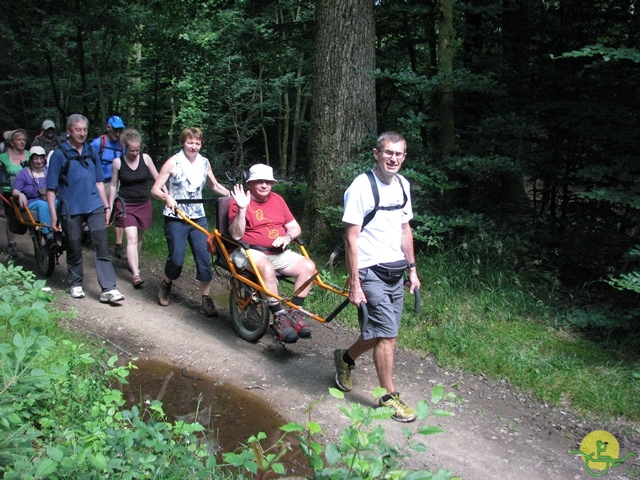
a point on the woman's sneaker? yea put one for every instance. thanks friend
(403, 413)
(284, 327)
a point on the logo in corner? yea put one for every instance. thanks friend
(600, 450)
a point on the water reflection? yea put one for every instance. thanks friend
(230, 415)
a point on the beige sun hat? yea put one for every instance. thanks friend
(261, 171)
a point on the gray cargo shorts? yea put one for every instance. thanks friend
(384, 306)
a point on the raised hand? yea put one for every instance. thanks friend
(241, 197)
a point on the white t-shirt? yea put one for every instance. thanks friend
(380, 241)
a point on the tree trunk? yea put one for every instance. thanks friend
(286, 126)
(343, 112)
(302, 101)
(445, 68)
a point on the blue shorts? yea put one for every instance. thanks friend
(384, 306)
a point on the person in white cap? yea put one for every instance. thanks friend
(47, 138)
(108, 147)
(30, 189)
(262, 218)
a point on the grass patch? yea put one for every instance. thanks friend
(493, 323)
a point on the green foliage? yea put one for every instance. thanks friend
(606, 53)
(61, 411)
(631, 280)
(626, 281)
(362, 450)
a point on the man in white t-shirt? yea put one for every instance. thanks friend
(379, 248)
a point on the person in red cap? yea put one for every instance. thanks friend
(108, 147)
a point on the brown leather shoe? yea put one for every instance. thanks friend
(163, 294)
(207, 307)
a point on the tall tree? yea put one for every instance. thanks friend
(343, 112)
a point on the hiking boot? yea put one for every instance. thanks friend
(112, 296)
(163, 294)
(343, 371)
(284, 327)
(403, 413)
(207, 307)
(301, 328)
(76, 292)
(119, 252)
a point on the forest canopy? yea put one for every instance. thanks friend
(522, 117)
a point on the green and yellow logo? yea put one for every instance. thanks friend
(600, 451)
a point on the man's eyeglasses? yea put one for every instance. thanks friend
(391, 153)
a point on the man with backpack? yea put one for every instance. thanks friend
(76, 175)
(379, 249)
(47, 138)
(109, 147)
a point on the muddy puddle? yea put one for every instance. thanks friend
(230, 415)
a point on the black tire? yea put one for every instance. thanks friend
(45, 259)
(250, 315)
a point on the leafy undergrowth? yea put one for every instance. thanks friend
(496, 322)
(62, 415)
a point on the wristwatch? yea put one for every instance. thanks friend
(289, 235)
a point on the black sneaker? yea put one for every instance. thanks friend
(119, 252)
(284, 327)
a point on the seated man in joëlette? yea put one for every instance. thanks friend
(262, 219)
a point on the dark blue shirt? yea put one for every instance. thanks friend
(80, 193)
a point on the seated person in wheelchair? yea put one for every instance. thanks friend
(262, 219)
(30, 189)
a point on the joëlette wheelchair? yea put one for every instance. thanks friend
(21, 221)
(249, 311)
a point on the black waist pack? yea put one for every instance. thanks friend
(390, 272)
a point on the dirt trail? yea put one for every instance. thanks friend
(494, 433)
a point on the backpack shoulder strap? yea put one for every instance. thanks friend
(103, 143)
(81, 158)
(376, 199)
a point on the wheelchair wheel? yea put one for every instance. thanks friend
(45, 259)
(250, 315)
